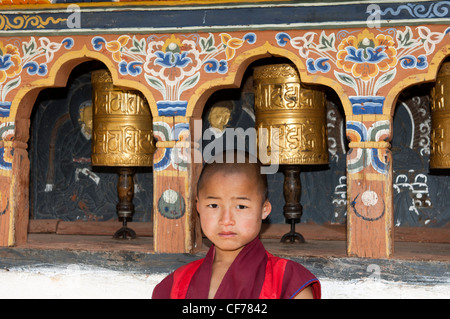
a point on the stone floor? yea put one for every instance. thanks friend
(88, 266)
(312, 248)
(328, 257)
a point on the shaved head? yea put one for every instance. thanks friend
(235, 162)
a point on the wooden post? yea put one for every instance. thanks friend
(175, 176)
(14, 208)
(369, 189)
(5, 205)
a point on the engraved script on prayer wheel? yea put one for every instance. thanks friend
(122, 128)
(122, 137)
(291, 124)
(296, 110)
(440, 119)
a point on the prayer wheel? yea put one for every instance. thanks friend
(293, 115)
(122, 137)
(440, 119)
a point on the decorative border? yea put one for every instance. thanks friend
(74, 18)
(431, 10)
(165, 157)
(364, 157)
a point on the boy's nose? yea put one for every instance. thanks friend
(227, 217)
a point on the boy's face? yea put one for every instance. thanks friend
(231, 209)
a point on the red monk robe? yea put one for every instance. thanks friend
(254, 274)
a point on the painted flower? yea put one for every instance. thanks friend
(365, 56)
(430, 39)
(173, 59)
(49, 48)
(302, 44)
(232, 44)
(10, 62)
(115, 47)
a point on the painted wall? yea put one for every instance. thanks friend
(68, 188)
(63, 183)
(178, 56)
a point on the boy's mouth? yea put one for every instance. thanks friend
(227, 234)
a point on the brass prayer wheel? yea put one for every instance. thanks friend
(440, 119)
(122, 137)
(293, 115)
(296, 110)
(122, 128)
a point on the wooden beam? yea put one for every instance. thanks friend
(105, 228)
(311, 232)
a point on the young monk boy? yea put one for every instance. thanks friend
(232, 202)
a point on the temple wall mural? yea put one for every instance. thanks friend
(64, 185)
(377, 65)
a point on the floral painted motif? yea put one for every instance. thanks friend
(368, 61)
(365, 56)
(173, 64)
(10, 62)
(10, 67)
(33, 57)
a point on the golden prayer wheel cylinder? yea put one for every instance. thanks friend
(296, 110)
(122, 125)
(292, 117)
(122, 137)
(440, 119)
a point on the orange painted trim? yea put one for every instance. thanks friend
(46, 4)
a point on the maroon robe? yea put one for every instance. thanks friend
(245, 277)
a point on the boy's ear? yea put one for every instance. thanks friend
(267, 209)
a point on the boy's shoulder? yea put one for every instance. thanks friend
(291, 276)
(181, 276)
(288, 264)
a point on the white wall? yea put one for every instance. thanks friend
(78, 281)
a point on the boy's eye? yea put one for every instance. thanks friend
(213, 205)
(241, 207)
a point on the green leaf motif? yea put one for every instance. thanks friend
(384, 79)
(29, 48)
(405, 39)
(327, 42)
(156, 84)
(11, 85)
(347, 80)
(207, 45)
(190, 82)
(138, 46)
